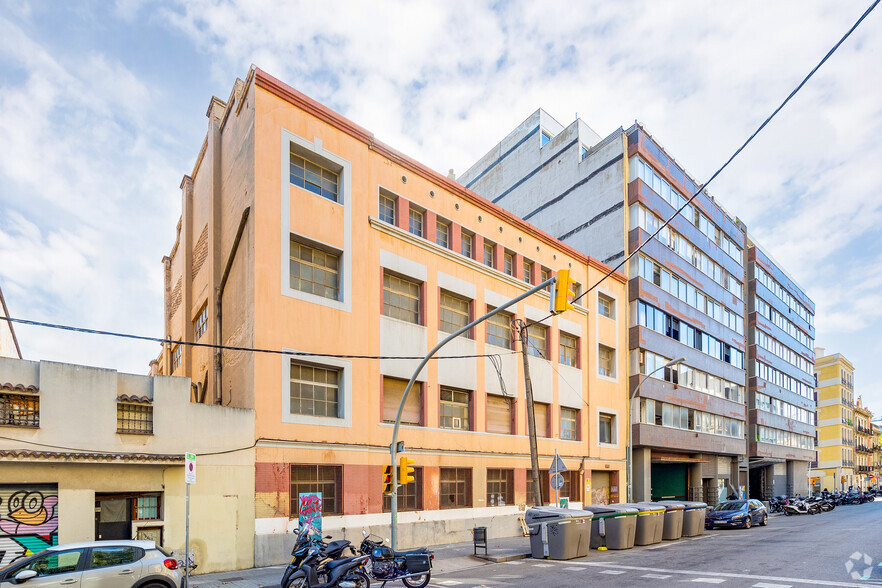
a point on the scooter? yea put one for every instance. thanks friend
(303, 553)
(797, 506)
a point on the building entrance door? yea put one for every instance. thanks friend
(669, 481)
(113, 518)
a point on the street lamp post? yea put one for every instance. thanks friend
(671, 363)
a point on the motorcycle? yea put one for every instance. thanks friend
(340, 573)
(303, 553)
(796, 506)
(413, 567)
(776, 504)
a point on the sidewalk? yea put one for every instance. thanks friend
(448, 558)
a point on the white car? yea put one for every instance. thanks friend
(96, 564)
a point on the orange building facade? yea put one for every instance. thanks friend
(302, 234)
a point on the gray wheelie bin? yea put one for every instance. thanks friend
(693, 518)
(650, 522)
(673, 519)
(558, 533)
(613, 526)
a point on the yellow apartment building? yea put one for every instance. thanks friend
(303, 235)
(835, 468)
(864, 446)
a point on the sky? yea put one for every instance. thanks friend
(102, 112)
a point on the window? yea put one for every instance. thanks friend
(508, 263)
(583, 153)
(455, 488)
(488, 254)
(606, 357)
(393, 390)
(57, 562)
(146, 508)
(606, 428)
(327, 479)
(499, 329)
(315, 391)
(455, 312)
(200, 323)
(606, 306)
(540, 413)
(410, 496)
(544, 274)
(455, 408)
(546, 137)
(577, 293)
(314, 271)
(465, 244)
(387, 209)
(572, 487)
(499, 410)
(569, 417)
(415, 222)
(176, 357)
(105, 557)
(134, 418)
(19, 410)
(536, 341)
(528, 272)
(500, 487)
(315, 178)
(401, 299)
(568, 350)
(442, 234)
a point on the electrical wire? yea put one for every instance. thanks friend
(122, 453)
(733, 156)
(230, 347)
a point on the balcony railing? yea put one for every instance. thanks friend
(863, 449)
(865, 469)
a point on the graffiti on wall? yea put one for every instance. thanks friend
(311, 511)
(28, 521)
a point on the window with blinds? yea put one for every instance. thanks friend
(540, 411)
(499, 409)
(393, 390)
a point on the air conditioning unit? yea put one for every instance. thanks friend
(456, 422)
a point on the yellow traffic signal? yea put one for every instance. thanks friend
(405, 470)
(387, 479)
(561, 292)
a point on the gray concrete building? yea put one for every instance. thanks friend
(781, 396)
(606, 196)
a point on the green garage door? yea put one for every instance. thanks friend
(669, 481)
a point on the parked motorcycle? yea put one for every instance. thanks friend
(776, 504)
(413, 567)
(797, 506)
(313, 551)
(341, 573)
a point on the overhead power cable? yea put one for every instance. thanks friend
(231, 347)
(120, 453)
(733, 156)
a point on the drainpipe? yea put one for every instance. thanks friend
(218, 353)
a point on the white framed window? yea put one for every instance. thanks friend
(316, 391)
(387, 208)
(607, 427)
(606, 306)
(606, 361)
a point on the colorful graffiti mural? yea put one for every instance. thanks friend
(28, 521)
(311, 511)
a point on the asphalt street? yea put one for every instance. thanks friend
(791, 551)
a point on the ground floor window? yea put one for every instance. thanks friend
(456, 488)
(410, 496)
(327, 479)
(500, 487)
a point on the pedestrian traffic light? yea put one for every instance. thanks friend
(561, 292)
(387, 479)
(405, 470)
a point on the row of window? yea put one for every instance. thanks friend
(454, 488)
(23, 410)
(772, 345)
(769, 282)
(417, 226)
(653, 412)
(676, 286)
(661, 322)
(770, 374)
(660, 186)
(649, 222)
(689, 377)
(779, 407)
(785, 438)
(765, 309)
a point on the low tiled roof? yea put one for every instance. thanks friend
(13, 454)
(18, 388)
(133, 398)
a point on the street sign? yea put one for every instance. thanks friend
(557, 481)
(190, 468)
(557, 466)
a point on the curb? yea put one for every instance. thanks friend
(502, 558)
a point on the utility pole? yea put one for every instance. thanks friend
(531, 415)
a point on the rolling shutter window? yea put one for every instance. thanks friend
(498, 414)
(541, 412)
(393, 390)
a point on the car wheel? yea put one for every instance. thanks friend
(747, 523)
(765, 520)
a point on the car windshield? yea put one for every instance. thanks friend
(730, 506)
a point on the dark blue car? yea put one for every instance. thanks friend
(737, 513)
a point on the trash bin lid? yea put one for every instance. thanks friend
(608, 511)
(543, 514)
(672, 504)
(694, 505)
(645, 507)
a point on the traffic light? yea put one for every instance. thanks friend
(405, 470)
(561, 292)
(387, 479)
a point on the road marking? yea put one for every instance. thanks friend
(612, 572)
(767, 585)
(710, 580)
(729, 575)
(513, 563)
(574, 569)
(656, 576)
(543, 565)
(450, 583)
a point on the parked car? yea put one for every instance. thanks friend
(108, 564)
(737, 513)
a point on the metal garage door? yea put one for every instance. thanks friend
(28, 519)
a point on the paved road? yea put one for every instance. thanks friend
(790, 552)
